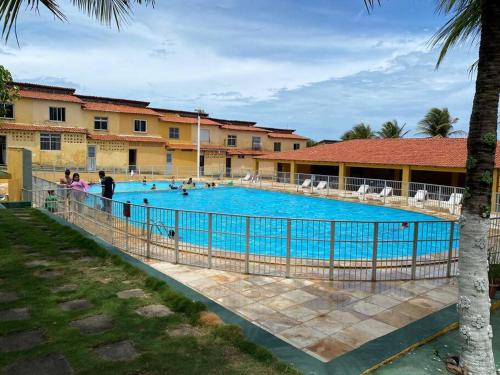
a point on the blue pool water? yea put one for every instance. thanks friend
(309, 239)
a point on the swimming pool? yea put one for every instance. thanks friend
(353, 233)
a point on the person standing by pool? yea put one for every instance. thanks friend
(66, 180)
(79, 187)
(108, 189)
(51, 201)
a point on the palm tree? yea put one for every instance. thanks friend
(391, 129)
(438, 123)
(476, 20)
(360, 131)
(105, 11)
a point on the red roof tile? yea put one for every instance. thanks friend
(243, 128)
(286, 136)
(41, 128)
(171, 117)
(109, 107)
(429, 152)
(61, 97)
(125, 138)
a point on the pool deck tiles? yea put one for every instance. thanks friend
(325, 319)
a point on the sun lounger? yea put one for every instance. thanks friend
(306, 184)
(454, 203)
(386, 192)
(321, 186)
(248, 177)
(362, 191)
(420, 197)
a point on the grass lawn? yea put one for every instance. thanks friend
(174, 344)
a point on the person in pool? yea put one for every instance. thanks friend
(153, 187)
(184, 192)
(145, 201)
(144, 181)
(190, 181)
(213, 184)
(404, 225)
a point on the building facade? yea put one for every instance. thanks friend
(63, 128)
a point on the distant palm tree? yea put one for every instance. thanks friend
(391, 129)
(360, 131)
(438, 123)
(105, 11)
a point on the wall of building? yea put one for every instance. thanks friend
(185, 132)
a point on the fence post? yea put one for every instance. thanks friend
(209, 249)
(332, 250)
(176, 236)
(385, 191)
(450, 249)
(414, 252)
(148, 232)
(374, 252)
(288, 243)
(247, 245)
(126, 234)
(454, 199)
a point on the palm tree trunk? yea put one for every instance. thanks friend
(473, 303)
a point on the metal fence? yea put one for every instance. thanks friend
(289, 247)
(421, 196)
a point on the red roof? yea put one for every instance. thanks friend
(428, 152)
(287, 136)
(109, 107)
(245, 152)
(243, 128)
(41, 128)
(125, 138)
(171, 117)
(61, 97)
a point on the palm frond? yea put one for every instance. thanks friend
(106, 12)
(464, 25)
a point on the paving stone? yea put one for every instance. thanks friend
(118, 351)
(20, 313)
(76, 304)
(36, 263)
(131, 293)
(65, 288)
(21, 340)
(92, 324)
(48, 274)
(86, 259)
(154, 311)
(49, 364)
(34, 255)
(8, 296)
(183, 330)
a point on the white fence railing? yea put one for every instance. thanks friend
(289, 247)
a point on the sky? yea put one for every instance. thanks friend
(317, 66)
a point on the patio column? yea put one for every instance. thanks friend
(494, 190)
(292, 172)
(405, 180)
(342, 176)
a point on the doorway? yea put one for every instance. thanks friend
(132, 160)
(3, 150)
(170, 166)
(228, 167)
(202, 164)
(91, 158)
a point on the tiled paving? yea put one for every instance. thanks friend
(324, 319)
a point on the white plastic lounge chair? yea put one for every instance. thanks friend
(362, 191)
(256, 178)
(386, 192)
(248, 177)
(420, 197)
(306, 184)
(454, 203)
(321, 186)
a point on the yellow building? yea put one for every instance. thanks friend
(65, 129)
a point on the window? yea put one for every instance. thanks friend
(100, 123)
(255, 143)
(296, 146)
(140, 126)
(57, 114)
(241, 156)
(205, 135)
(6, 110)
(173, 133)
(231, 141)
(277, 146)
(50, 141)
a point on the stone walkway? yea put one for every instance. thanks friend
(324, 319)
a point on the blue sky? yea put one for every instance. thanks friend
(318, 66)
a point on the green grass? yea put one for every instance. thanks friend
(221, 350)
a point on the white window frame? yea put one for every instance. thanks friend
(145, 126)
(177, 133)
(52, 137)
(232, 137)
(13, 110)
(101, 120)
(60, 113)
